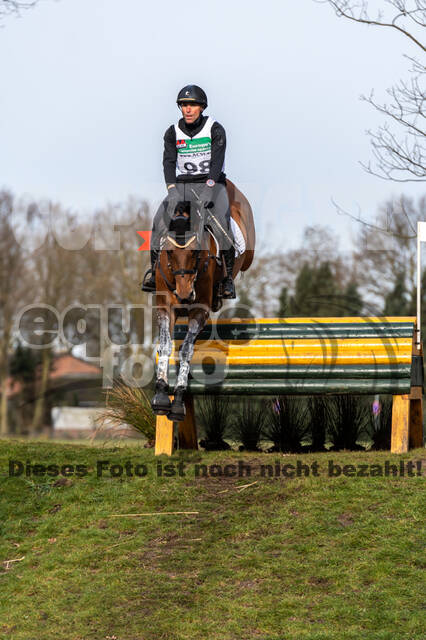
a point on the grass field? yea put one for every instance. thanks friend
(280, 558)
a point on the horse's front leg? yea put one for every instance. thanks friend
(160, 403)
(196, 322)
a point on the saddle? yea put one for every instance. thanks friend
(180, 227)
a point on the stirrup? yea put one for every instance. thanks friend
(148, 283)
(228, 283)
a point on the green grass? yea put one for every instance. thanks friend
(283, 559)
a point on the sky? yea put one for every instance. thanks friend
(89, 88)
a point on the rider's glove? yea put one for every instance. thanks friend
(172, 199)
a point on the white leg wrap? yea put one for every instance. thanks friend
(164, 349)
(186, 354)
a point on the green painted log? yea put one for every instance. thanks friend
(255, 371)
(301, 387)
(300, 331)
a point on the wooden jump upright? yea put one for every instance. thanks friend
(407, 409)
(305, 356)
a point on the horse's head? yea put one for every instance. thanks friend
(182, 248)
(183, 259)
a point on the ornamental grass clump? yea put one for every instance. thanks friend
(127, 407)
(249, 423)
(213, 413)
(349, 421)
(288, 424)
(320, 417)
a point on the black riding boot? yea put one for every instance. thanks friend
(148, 283)
(228, 288)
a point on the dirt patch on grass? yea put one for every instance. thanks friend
(215, 486)
(248, 586)
(345, 519)
(319, 582)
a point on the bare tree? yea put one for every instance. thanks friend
(13, 267)
(270, 272)
(398, 146)
(71, 263)
(52, 266)
(386, 248)
(14, 6)
(111, 267)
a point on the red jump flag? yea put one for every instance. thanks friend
(146, 237)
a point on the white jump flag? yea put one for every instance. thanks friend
(421, 237)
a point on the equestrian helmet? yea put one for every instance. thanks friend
(192, 93)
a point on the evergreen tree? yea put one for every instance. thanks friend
(396, 303)
(23, 367)
(326, 292)
(352, 301)
(23, 363)
(244, 305)
(319, 294)
(301, 302)
(283, 303)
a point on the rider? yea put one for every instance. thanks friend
(193, 163)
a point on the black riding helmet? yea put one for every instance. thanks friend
(192, 93)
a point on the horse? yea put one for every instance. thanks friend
(188, 283)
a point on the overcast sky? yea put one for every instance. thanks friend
(88, 89)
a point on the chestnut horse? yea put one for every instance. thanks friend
(188, 278)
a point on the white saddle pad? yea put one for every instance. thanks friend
(240, 244)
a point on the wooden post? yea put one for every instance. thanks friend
(188, 428)
(415, 438)
(187, 431)
(400, 423)
(164, 429)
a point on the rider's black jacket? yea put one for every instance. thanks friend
(217, 152)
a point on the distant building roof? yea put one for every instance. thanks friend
(63, 366)
(68, 365)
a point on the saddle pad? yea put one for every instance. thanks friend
(240, 243)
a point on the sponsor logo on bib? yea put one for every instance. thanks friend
(180, 144)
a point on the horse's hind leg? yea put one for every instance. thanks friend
(160, 403)
(177, 411)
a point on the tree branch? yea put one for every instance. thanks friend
(14, 6)
(357, 12)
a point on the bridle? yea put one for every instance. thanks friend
(197, 270)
